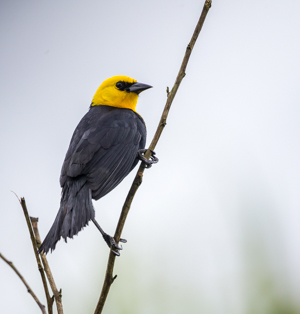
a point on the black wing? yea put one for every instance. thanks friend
(104, 147)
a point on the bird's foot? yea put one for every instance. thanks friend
(148, 162)
(112, 244)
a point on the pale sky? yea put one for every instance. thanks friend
(218, 216)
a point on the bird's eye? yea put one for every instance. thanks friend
(120, 85)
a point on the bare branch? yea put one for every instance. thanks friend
(138, 179)
(41, 306)
(56, 293)
(35, 249)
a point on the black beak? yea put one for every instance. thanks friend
(138, 87)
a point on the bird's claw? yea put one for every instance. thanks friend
(112, 244)
(148, 162)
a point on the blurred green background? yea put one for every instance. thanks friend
(215, 226)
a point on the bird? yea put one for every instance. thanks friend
(106, 145)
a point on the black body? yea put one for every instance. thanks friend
(102, 151)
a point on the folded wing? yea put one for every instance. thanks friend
(104, 147)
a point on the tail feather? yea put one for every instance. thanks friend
(76, 210)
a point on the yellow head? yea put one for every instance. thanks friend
(119, 91)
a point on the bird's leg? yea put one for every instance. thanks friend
(148, 162)
(110, 241)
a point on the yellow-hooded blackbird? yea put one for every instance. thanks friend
(105, 147)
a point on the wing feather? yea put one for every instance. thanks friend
(104, 147)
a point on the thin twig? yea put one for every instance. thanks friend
(42, 307)
(35, 249)
(57, 294)
(109, 278)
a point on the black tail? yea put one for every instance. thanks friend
(76, 209)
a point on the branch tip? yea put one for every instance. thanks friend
(208, 4)
(16, 196)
